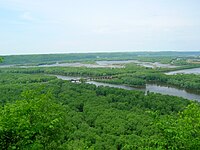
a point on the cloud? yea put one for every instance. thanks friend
(99, 24)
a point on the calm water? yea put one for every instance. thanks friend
(185, 71)
(101, 64)
(76, 65)
(6, 66)
(165, 90)
(145, 64)
(113, 85)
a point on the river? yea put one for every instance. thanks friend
(155, 88)
(185, 71)
(141, 63)
(99, 64)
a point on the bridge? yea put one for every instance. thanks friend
(75, 80)
(79, 80)
(100, 78)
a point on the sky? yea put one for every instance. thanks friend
(73, 26)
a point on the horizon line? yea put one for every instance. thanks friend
(89, 52)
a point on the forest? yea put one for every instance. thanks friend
(164, 57)
(39, 111)
(132, 75)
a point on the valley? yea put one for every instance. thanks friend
(125, 103)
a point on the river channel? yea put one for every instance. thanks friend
(185, 71)
(155, 88)
(110, 64)
(98, 64)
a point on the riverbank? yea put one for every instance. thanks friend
(154, 88)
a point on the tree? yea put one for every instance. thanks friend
(1, 59)
(182, 132)
(35, 123)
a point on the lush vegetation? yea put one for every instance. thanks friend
(131, 75)
(48, 113)
(1, 59)
(38, 111)
(163, 57)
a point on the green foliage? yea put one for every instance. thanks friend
(182, 132)
(12, 78)
(57, 114)
(132, 75)
(187, 81)
(1, 59)
(41, 112)
(163, 57)
(35, 123)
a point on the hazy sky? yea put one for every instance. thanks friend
(63, 26)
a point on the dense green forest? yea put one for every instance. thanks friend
(132, 75)
(42, 112)
(164, 57)
(1, 59)
(39, 111)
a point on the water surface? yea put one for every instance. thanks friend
(185, 71)
(145, 64)
(155, 88)
(102, 64)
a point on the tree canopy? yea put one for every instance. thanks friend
(1, 59)
(42, 112)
